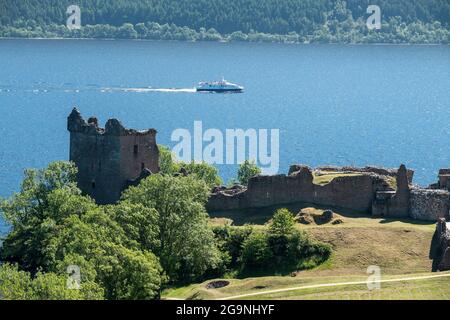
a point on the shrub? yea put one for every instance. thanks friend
(204, 171)
(305, 253)
(170, 166)
(231, 240)
(247, 170)
(183, 241)
(256, 253)
(282, 248)
(282, 224)
(20, 285)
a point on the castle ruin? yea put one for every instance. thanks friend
(112, 158)
(376, 191)
(365, 190)
(443, 245)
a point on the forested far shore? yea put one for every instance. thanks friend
(394, 31)
(267, 16)
(292, 21)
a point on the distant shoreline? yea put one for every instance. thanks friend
(231, 41)
(355, 32)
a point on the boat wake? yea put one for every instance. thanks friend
(150, 89)
(70, 88)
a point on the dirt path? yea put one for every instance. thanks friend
(323, 285)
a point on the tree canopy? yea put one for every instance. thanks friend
(53, 226)
(343, 21)
(247, 170)
(184, 242)
(268, 16)
(158, 234)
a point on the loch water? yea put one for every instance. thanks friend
(333, 104)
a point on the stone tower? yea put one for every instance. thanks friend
(110, 159)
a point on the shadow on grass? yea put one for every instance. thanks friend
(264, 214)
(307, 263)
(407, 220)
(260, 216)
(243, 274)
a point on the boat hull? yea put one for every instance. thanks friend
(220, 90)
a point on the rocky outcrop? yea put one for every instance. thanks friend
(316, 216)
(296, 168)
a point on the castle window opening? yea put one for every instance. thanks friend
(93, 184)
(135, 149)
(142, 166)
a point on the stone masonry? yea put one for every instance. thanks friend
(354, 192)
(443, 237)
(366, 192)
(369, 169)
(110, 159)
(389, 203)
(428, 204)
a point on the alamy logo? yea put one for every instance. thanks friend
(74, 20)
(374, 20)
(374, 280)
(74, 277)
(232, 147)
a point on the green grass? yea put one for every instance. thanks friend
(399, 247)
(392, 181)
(435, 288)
(326, 177)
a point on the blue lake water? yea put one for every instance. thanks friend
(333, 104)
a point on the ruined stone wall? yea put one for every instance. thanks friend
(443, 245)
(98, 165)
(350, 192)
(398, 205)
(108, 159)
(367, 192)
(428, 204)
(146, 156)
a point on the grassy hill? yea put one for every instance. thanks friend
(399, 248)
(419, 289)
